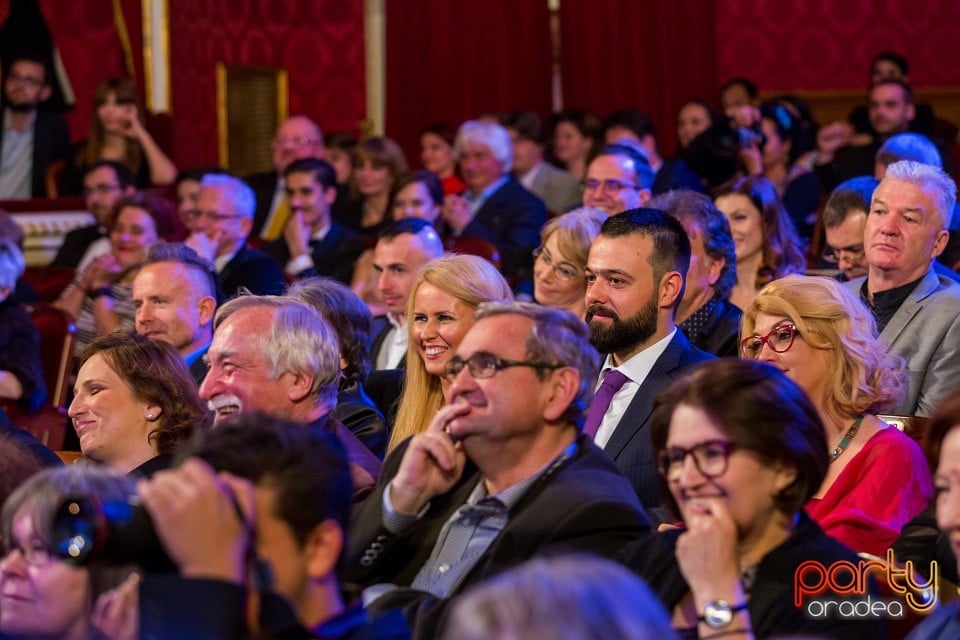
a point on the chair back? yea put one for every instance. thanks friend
(913, 426)
(58, 332)
(475, 246)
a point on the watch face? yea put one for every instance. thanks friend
(717, 614)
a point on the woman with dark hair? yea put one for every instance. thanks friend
(42, 596)
(340, 146)
(101, 296)
(377, 165)
(134, 403)
(576, 137)
(418, 194)
(766, 244)
(741, 449)
(117, 133)
(437, 156)
(694, 117)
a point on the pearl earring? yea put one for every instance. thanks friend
(150, 417)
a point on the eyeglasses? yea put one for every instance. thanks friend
(485, 365)
(780, 339)
(27, 80)
(102, 189)
(564, 270)
(36, 555)
(609, 187)
(194, 214)
(711, 459)
(295, 141)
(833, 256)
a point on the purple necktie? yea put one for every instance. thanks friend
(612, 381)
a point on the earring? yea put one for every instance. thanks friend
(150, 417)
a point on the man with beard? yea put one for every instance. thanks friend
(32, 137)
(636, 275)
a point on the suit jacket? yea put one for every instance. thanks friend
(380, 329)
(630, 445)
(558, 189)
(364, 466)
(721, 336)
(358, 413)
(199, 368)
(75, 245)
(925, 331)
(584, 506)
(334, 256)
(511, 219)
(254, 270)
(675, 174)
(51, 143)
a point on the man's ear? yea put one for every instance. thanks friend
(671, 288)
(300, 386)
(323, 548)
(563, 386)
(716, 267)
(206, 309)
(46, 92)
(940, 243)
(330, 195)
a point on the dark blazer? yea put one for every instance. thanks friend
(51, 143)
(630, 445)
(385, 387)
(199, 368)
(380, 330)
(334, 256)
(254, 270)
(358, 413)
(364, 466)
(675, 174)
(75, 244)
(511, 219)
(721, 336)
(584, 506)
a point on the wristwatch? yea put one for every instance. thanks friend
(718, 614)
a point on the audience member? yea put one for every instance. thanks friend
(340, 146)
(187, 186)
(706, 315)
(766, 243)
(175, 298)
(291, 371)
(21, 372)
(559, 261)
(104, 184)
(292, 487)
(17, 460)
(438, 157)
(558, 189)
(134, 403)
(351, 321)
(495, 205)
(737, 93)
(582, 597)
(401, 250)
(844, 220)
(33, 136)
(100, 296)
(440, 309)
(618, 179)
(824, 339)
(377, 165)
(298, 137)
(693, 118)
(917, 311)
(501, 475)
(635, 281)
(117, 133)
(418, 194)
(889, 65)
(224, 222)
(759, 454)
(576, 135)
(41, 595)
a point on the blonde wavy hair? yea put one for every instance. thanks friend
(469, 279)
(861, 376)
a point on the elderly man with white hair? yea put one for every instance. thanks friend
(495, 205)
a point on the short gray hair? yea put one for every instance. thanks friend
(909, 146)
(236, 190)
(558, 337)
(489, 134)
(942, 187)
(11, 264)
(300, 340)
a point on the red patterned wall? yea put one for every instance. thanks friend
(828, 44)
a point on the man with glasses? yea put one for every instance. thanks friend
(844, 219)
(619, 178)
(32, 137)
(104, 184)
(223, 220)
(501, 474)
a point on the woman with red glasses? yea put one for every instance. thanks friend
(824, 339)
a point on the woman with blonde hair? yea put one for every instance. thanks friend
(824, 339)
(440, 310)
(560, 260)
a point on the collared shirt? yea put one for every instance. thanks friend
(468, 533)
(477, 201)
(527, 179)
(636, 369)
(304, 262)
(16, 160)
(886, 303)
(394, 346)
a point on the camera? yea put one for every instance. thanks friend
(86, 530)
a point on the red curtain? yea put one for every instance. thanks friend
(451, 61)
(645, 54)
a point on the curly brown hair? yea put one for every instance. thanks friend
(156, 373)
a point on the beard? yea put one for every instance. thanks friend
(622, 335)
(21, 107)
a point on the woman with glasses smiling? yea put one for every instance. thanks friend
(559, 261)
(741, 449)
(824, 339)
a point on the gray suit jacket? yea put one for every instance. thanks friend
(558, 189)
(925, 332)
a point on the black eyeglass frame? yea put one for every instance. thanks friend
(481, 370)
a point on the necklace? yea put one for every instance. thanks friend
(847, 437)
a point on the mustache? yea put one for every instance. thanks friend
(218, 402)
(599, 309)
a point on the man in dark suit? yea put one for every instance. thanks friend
(32, 137)
(636, 274)
(224, 218)
(501, 474)
(313, 243)
(495, 206)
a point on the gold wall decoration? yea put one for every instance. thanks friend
(251, 104)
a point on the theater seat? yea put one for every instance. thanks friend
(913, 426)
(49, 282)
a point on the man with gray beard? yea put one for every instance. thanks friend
(636, 275)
